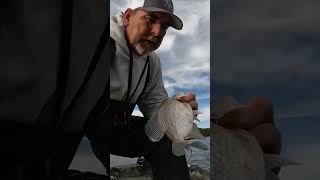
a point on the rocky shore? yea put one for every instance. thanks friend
(132, 172)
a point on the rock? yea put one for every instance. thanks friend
(198, 173)
(132, 172)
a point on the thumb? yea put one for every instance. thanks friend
(186, 98)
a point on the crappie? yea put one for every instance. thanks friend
(176, 120)
(236, 154)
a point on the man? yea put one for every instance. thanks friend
(136, 78)
(47, 86)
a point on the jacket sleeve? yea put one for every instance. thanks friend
(155, 92)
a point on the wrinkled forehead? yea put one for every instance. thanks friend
(161, 16)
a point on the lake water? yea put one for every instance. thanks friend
(198, 157)
(85, 160)
(300, 138)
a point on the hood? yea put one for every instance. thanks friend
(117, 31)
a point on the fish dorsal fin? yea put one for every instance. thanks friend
(187, 146)
(195, 114)
(276, 161)
(195, 133)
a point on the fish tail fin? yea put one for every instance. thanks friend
(275, 161)
(178, 149)
(195, 133)
(187, 146)
(153, 131)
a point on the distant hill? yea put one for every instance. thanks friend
(205, 131)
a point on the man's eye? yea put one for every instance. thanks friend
(150, 19)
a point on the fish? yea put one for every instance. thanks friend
(175, 119)
(236, 153)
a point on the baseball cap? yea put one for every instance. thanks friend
(165, 6)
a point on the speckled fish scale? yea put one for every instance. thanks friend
(176, 118)
(236, 155)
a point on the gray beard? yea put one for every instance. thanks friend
(144, 48)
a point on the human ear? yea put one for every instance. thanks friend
(126, 16)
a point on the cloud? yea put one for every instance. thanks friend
(84, 159)
(271, 15)
(304, 108)
(136, 3)
(204, 117)
(137, 112)
(185, 54)
(189, 66)
(87, 162)
(116, 7)
(168, 42)
(267, 43)
(268, 48)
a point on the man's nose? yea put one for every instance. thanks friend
(157, 30)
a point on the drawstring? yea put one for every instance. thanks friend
(147, 64)
(130, 70)
(123, 118)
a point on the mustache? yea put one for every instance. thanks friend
(153, 39)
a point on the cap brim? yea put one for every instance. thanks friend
(176, 22)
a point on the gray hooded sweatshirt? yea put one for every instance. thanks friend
(155, 92)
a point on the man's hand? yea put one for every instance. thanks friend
(237, 118)
(257, 111)
(257, 118)
(268, 136)
(189, 98)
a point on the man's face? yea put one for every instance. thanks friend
(145, 30)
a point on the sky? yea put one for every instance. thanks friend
(272, 49)
(258, 48)
(185, 54)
